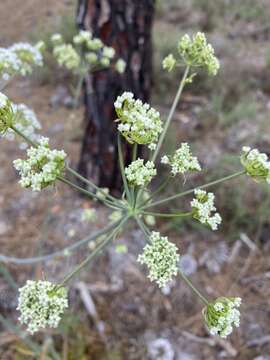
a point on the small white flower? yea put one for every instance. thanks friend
(203, 206)
(139, 174)
(89, 215)
(161, 258)
(83, 38)
(41, 305)
(57, 39)
(120, 66)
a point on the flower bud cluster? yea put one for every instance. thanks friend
(197, 52)
(25, 121)
(20, 59)
(139, 174)
(6, 114)
(169, 63)
(67, 56)
(42, 167)
(89, 215)
(139, 123)
(221, 315)
(86, 51)
(256, 164)
(182, 161)
(41, 304)
(202, 208)
(161, 258)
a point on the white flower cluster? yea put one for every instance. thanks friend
(84, 52)
(182, 160)
(221, 315)
(139, 123)
(256, 164)
(41, 304)
(198, 53)
(139, 174)
(25, 121)
(161, 258)
(202, 208)
(6, 114)
(42, 167)
(19, 59)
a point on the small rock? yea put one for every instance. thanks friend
(214, 258)
(61, 97)
(262, 357)
(188, 264)
(160, 349)
(4, 228)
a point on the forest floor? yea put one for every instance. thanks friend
(115, 312)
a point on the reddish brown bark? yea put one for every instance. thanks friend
(126, 26)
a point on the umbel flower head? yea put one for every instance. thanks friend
(42, 166)
(139, 123)
(41, 305)
(139, 174)
(10, 64)
(182, 161)
(161, 258)
(197, 52)
(25, 120)
(202, 208)
(221, 315)
(169, 62)
(6, 114)
(256, 164)
(28, 55)
(20, 58)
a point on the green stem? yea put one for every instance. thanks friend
(90, 183)
(160, 188)
(173, 215)
(78, 90)
(171, 113)
(122, 168)
(169, 118)
(26, 138)
(89, 193)
(189, 283)
(58, 253)
(133, 188)
(212, 183)
(143, 227)
(92, 255)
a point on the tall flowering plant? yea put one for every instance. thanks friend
(42, 303)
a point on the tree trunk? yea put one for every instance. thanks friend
(125, 25)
